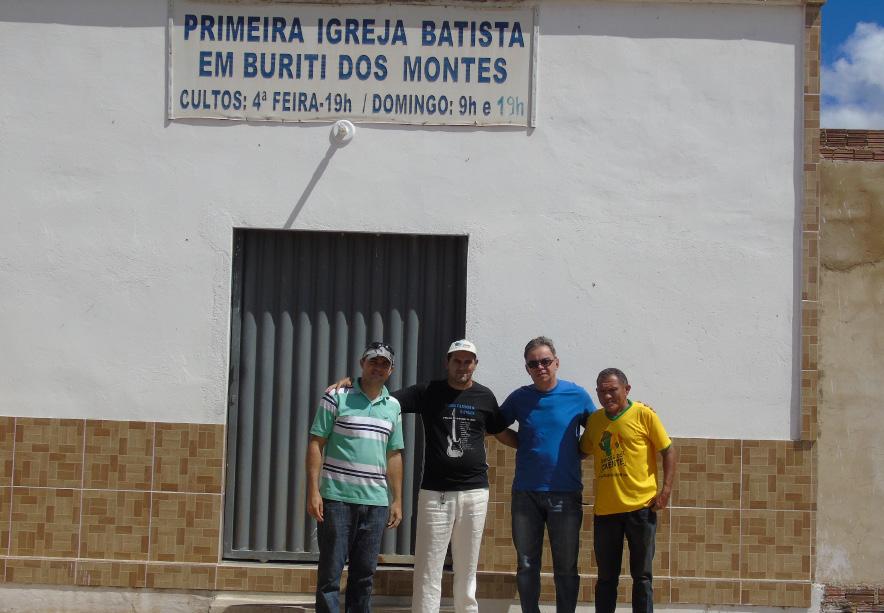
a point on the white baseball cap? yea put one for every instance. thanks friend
(463, 345)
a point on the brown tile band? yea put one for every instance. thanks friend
(743, 513)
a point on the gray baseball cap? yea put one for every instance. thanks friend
(378, 349)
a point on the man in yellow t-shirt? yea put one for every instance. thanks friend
(624, 439)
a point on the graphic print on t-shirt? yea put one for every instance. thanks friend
(612, 447)
(460, 418)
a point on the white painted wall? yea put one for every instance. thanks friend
(647, 222)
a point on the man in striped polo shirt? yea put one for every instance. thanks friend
(358, 430)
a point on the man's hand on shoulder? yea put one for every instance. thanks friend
(339, 384)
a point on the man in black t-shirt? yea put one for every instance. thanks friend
(456, 413)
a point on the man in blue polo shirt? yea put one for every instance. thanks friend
(548, 486)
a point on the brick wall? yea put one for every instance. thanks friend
(853, 599)
(860, 145)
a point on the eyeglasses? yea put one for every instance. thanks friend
(378, 345)
(545, 362)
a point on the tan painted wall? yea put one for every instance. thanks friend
(850, 540)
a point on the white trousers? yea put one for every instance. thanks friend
(458, 517)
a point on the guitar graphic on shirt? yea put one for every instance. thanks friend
(454, 450)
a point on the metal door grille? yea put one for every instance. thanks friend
(304, 305)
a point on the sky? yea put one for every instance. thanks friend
(853, 64)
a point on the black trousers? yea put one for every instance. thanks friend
(640, 529)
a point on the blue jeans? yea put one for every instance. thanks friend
(562, 514)
(640, 529)
(350, 531)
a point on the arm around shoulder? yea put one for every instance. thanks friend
(340, 383)
(410, 398)
(508, 437)
(586, 440)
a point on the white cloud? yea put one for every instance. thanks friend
(853, 86)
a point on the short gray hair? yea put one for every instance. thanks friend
(540, 341)
(612, 372)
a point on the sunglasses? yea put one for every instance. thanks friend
(545, 362)
(378, 345)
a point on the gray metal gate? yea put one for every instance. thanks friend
(304, 305)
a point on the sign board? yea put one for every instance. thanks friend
(448, 65)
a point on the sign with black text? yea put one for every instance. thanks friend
(444, 65)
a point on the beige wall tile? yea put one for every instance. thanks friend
(708, 473)
(110, 574)
(813, 544)
(663, 549)
(760, 474)
(723, 592)
(546, 565)
(662, 591)
(688, 542)
(689, 591)
(394, 581)
(501, 468)
(588, 484)
(5, 504)
(722, 543)
(119, 455)
(584, 559)
(48, 452)
(497, 552)
(189, 458)
(723, 484)
(502, 586)
(778, 475)
(796, 487)
(776, 594)
(810, 272)
(45, 522)
(115, 525)
(253, 578)
(447, 584)
(7, 442)
(47, 572)
(776, 545)
(809, 404)
(705, 591)
(180, 577)
(185, 527)
(690, 487)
